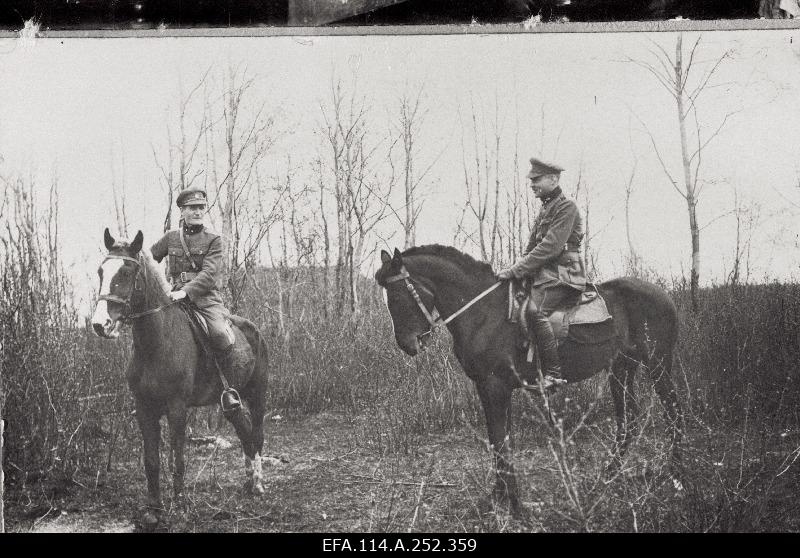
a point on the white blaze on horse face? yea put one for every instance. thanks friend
(101, 318)
(386, 301)
(110, 269)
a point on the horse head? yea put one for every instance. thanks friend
(117, 273)
(410, 301)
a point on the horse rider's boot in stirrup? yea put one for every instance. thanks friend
(548, 353)
(229, 401)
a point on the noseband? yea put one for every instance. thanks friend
(126, 301)
(404, 276)
(433, 322)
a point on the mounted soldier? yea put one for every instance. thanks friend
(196, 273)
(552, 263)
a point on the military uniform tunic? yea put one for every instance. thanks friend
(202, 282)
(552, 259)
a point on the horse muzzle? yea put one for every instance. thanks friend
(108, 330)
(103, 324)
(412, 344)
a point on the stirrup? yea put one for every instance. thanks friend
(236, 401)
(548, 385)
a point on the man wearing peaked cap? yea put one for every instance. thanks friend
(551, 261)
(196, 272)
(540, 168)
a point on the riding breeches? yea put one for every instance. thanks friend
(549, 298)
(220, 333)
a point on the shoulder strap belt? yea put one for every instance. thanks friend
(186, 248)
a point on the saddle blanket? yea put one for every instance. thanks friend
(581, 323)
(588, 322)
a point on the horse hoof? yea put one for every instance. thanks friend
(149, 522)
(257, 489)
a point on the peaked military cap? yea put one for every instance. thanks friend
(191, 196)
(540, 168)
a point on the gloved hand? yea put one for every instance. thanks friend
(505, 274)
(175, 296)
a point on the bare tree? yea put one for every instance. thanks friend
(409, 123)
(748, 217)
(247, 140)
(119, 197)
(673, 74)
(482, 184)
(361, 196)
(178, 172)
(633, 256)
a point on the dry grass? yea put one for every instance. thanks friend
(377, 441)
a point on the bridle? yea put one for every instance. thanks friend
(126, 300)
(433, 323)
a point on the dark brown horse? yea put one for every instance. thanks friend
(169, 371)
(485, 343)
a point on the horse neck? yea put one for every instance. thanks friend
(151, 295)
(454, 287)
(153, 290)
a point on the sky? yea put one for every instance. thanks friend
(94, 111)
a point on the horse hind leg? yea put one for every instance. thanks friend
(660, 369)
(248, 426)
(626, 410)
(257, 409)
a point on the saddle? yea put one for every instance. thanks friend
(199, 327)
(586, 321)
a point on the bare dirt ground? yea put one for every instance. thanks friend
(316, 477)
(321, 475)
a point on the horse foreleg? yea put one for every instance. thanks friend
(176, 415)
(150, 427)
(495, 398)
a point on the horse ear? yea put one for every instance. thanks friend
(136, 245)
(398, 258)
(385, 257)
(108, 239)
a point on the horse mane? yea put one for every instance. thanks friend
(154, 271)
(467, 263)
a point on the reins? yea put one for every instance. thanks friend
(126, 302)
(434, 322)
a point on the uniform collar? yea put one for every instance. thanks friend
(553, 195)
(191, 229)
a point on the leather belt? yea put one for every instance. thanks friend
(183, 277)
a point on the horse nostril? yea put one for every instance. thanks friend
(98, 329)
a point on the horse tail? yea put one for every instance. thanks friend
(653, 319)
(257, 344)
(652, 315)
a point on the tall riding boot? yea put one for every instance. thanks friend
(548, 351)
(230, 398)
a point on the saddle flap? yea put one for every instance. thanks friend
(590, 310)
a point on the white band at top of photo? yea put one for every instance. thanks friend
(530, 26)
